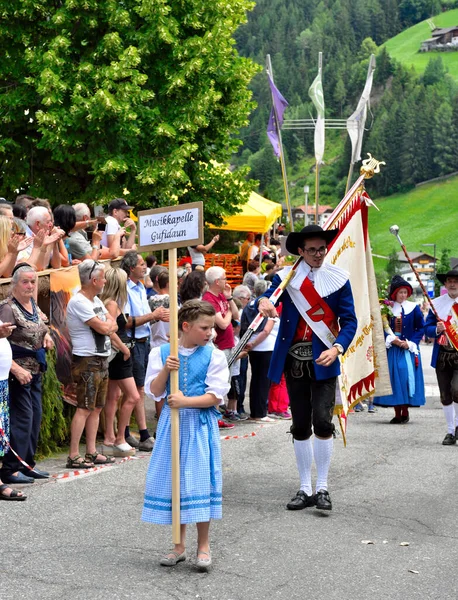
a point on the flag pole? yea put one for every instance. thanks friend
(280, 145)
(174, 412)
(317, 163)
(349, 177)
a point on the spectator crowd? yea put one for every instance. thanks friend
(120, 313)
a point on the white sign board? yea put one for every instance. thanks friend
(170, 227)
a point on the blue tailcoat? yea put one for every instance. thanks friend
(430, 332)
(340, 302)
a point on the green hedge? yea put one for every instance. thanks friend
(55, 424)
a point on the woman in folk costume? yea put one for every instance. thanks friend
(404, 359)
(203, 383)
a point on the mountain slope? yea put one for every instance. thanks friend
(425, 215)
(405, 46)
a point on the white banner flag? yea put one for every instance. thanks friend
(357, 121)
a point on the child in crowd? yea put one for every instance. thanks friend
(203, 383)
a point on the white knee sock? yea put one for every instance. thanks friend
(304, 458)
(322, 450)
(449, 412)
(455, 404)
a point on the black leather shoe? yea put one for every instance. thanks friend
(449, 440)
(323, 500)
(37, 474)
(405, 419)
(301, 500)
(395, 421)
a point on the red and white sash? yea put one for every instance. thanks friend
(308, 297)
(447, 309)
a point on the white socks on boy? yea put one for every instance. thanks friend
(305, 450)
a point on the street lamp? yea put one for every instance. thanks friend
(306, 192)
(434, 268)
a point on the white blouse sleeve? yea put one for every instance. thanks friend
(217, 379)
(152, 371)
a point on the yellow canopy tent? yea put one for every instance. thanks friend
(258, 215)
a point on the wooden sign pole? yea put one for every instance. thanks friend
(170, 228)
(174, 385)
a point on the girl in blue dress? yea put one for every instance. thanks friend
(404, 359)
(203, 383)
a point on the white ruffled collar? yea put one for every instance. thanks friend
(327, 279)
(443, 305)
(406, 305)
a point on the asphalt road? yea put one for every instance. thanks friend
(81, 538)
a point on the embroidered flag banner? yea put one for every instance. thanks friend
(364, 365)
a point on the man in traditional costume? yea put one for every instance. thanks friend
(318, 323)
(445, 356)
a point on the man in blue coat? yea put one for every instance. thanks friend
(318, 323)
(445, 357)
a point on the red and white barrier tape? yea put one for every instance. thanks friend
(3, 435)
(237, 437)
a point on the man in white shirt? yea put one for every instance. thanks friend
(140, 318)
(90, 327)
(118, 216)
(445, 357)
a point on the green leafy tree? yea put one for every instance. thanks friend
(394, 265)
(100, 96)
(444, 149)
(442, 267)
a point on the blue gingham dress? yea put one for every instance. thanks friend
(200, 450)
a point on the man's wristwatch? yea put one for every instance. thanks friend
(340, 349)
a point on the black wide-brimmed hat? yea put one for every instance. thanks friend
(295, 239)
(396, 284)
(443, 276)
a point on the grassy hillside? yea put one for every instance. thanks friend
(425, 215)
(405, 46)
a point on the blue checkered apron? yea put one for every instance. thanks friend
(200, 453)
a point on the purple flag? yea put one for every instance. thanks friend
(276, 117)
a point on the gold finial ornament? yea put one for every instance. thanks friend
(371, 166)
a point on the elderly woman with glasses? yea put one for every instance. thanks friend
(29, 341)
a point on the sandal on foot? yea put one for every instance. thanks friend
(172, 558)
(15, 495)
(203, 564)
(78, 462)
(105, 460)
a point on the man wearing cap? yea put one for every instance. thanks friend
(118, 216)
(318, 323)
(445, 355)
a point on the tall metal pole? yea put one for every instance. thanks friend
(317, 164)
(280, 144)
(306, 214)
